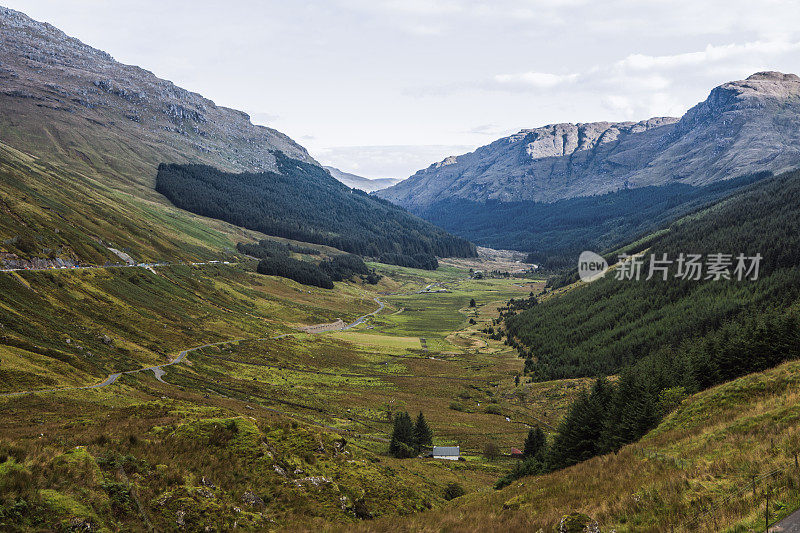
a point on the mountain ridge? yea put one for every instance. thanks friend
(355, 181)
(76, 106)
(722, 137)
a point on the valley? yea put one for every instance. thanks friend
(202, 328)
(416, 354)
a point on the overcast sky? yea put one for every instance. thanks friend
(383, 88)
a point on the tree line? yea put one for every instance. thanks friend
(303, 202)
(276, 260)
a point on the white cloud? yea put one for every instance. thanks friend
(711, 54)
(535, 80)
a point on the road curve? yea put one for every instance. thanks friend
(158, 370)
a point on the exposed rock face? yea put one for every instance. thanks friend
(72, 104)
(743, 127)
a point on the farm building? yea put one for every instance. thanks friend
(446, 452)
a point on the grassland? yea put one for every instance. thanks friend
(707, 467)
(232, 412)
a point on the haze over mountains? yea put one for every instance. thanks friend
(359, 182)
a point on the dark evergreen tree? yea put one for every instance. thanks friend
(535, 443)
(579, 434)
(402, 442)
(423, 436)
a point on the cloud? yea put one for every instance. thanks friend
(491, 130)
(534, 80)
(711, 54)
(264, 119)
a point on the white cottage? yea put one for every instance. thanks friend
(451, 453)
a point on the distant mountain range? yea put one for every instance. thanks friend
(742, 128)
(358, 182)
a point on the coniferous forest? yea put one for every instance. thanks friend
(557, 232)
(611, 323)
(276, 260)
(667, 339)
(303, 202)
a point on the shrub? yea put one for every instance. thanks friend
(453, 491)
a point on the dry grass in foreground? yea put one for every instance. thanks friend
(694, 472)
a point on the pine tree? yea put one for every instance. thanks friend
(579, 435)
(535, 443)
(402, 443)
(423, 436)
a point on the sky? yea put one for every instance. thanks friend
(383, 88)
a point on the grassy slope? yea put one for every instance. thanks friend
(150, 317)
(704, 453)
(76, 216)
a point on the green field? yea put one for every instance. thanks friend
(250, 400)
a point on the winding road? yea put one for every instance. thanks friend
(158, 370)
(790, 524)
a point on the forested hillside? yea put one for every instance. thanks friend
(555, 233)
(276, 260)
(612, 323)
(666, 338)
(303, 202)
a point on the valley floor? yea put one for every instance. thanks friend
(169, 367)
(261, 425)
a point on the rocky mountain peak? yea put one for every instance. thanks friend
(773, 75)
(64, 96)
(743, 127)
(768, 89)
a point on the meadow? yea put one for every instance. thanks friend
(316, 406)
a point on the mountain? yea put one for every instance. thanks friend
(81, 138)
(73, 116)
(358, 182)
(742, 128)
(328, 212)
(80, 108)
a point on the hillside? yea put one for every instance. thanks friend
(358, 182)
(327, 212)
(72, 115)
(743, 127)
(611, 323)
(76, 107)
(706, 467)
(82, 138)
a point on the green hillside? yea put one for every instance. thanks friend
(707, 467)
(610, 324)
(326, 212)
